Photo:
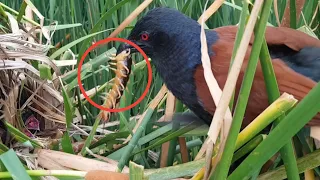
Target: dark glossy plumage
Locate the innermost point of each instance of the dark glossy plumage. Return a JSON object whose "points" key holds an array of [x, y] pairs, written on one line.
{"points": [[174, 46]]}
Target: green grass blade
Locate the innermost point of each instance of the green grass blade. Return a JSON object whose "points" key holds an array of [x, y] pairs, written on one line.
{"points": [[68, 108], [309, 161], [109, 137], [124, 159], [96, 27], [74, 83], [14, 165], [73, 43], [248, 147], [242, 25], [62, 26], [22, 11], [69, 112], [172, 172], [62, 174], [268, 74], [45, 71], [293, 14], [172, 144], [277, 138], [21, 137], [185, 7], [3, 148], [287, 152], [89, 139], [93, 64], [66, 143], [171, 136], [155, 134], [143, 140]]}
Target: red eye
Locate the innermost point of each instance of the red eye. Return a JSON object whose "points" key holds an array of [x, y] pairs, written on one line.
{"points": [[144, 37]]}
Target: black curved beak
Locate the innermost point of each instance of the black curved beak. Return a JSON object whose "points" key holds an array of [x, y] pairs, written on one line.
{"points": [[124, 46]]}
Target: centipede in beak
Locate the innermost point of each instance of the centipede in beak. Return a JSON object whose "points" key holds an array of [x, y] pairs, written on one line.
{"points": [[122, 63]]}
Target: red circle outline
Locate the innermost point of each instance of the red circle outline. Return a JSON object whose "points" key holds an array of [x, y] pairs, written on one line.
{"points": [[104, 41]]}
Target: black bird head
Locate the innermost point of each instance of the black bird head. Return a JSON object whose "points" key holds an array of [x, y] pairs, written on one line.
{"points": [[159, 29], [172, 41]]}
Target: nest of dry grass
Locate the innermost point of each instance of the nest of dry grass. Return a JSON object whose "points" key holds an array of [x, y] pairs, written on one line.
{"points": [[29, 102]]}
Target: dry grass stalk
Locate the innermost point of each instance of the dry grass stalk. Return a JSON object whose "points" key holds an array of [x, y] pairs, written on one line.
{"points": [[211, 81], [19, 80], [130, 18], [170, 105], [210, 11], [213, 87], [54, 160], [183, 149]]}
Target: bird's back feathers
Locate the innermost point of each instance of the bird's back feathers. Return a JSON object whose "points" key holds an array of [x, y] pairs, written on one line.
{"points": [[301, 49]]}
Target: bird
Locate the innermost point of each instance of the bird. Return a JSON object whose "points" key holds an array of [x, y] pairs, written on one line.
{"points": [[172, 40]]}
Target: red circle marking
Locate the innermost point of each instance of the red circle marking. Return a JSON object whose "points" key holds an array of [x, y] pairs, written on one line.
{"points": [[104, 41]]}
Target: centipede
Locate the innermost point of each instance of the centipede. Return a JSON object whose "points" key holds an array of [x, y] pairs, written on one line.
{"points": [[122, 63]]}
